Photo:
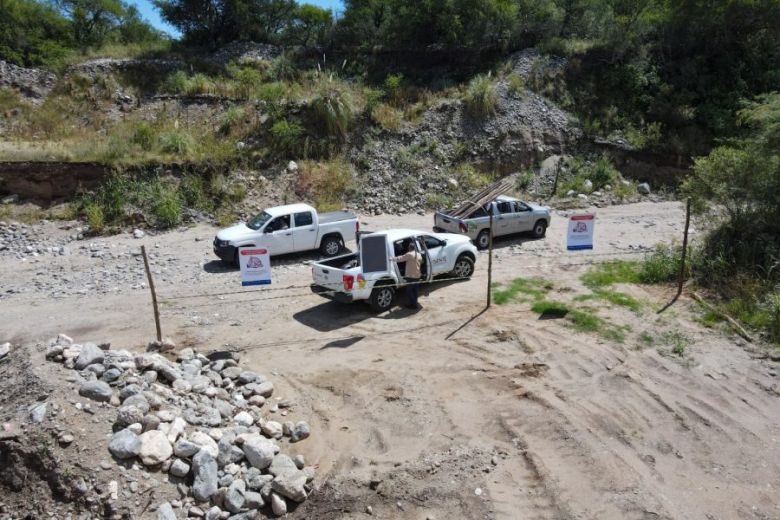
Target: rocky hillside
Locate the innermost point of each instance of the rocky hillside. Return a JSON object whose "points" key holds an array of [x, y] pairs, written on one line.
{"points": [[400, 148]]}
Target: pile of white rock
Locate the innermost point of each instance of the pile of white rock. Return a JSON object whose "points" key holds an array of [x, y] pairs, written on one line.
{"points": [[199, 419]]}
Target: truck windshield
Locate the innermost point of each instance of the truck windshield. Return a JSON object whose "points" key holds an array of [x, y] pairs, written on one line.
{"points": [[258, 221]]}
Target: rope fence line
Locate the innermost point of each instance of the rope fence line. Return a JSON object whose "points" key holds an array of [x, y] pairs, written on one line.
{"points": [[356, 337], [337, 288]]}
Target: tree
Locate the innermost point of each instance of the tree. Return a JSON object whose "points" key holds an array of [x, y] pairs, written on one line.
{"points": [[31, 33], [741, 182], [310, 25], [201, 21], [92, 20]]}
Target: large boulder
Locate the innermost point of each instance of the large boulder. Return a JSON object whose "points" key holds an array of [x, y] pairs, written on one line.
{"points": [[205, 442]]}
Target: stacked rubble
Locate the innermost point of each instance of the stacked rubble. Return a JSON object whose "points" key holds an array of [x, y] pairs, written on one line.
{"points": [[199, 419]]}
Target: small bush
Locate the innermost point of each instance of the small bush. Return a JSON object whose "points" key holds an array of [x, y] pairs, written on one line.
{"points": [[372, 98], [193, 192], [393, 86], [231, 118], [285, 137], [283, 69], [95, 217], [165, 205], [525, 180], [516, 85], [663, 265], [387, 117], [145, 137], [599, 172], [177, 83], [274, 92], [177, 142], [480, 98]]}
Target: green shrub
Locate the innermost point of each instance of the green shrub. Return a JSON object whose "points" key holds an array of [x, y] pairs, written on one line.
{"points": [[480, 98], [663, 265], [525, 180], [177, 83], [177, 142], [166, 206], [516, 85], [274, 92], [95, 217], [599, 172], [193, 192], [372, 98], [393, 86], [145, 136], [283, 69], [285, 137], [231, 118], [201, 84]]}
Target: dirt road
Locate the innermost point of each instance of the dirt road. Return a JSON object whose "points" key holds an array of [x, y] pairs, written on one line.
{"points": [[453, 411]]}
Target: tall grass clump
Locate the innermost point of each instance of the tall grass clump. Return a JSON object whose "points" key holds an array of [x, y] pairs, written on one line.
{"points": [[387, 117], [480, 98], [177, 142], [333, 109]]}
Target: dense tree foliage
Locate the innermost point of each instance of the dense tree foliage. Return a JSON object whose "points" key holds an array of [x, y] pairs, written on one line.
{"points": [[37, 33]]}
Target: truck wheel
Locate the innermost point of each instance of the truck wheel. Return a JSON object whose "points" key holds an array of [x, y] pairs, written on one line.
{"points": [[381, 298], [540, 229], [464, 267], [330, 246], [483, 239]]}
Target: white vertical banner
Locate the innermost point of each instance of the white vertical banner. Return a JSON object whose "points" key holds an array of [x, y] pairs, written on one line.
{"points": [[255, 266], [580, 234]]}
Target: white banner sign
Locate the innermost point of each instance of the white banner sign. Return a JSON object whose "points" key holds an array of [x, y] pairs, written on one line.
{"points": [[255, 266], [580, 235]]}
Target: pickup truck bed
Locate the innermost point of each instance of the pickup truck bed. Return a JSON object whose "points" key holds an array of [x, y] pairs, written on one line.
{"points": [[335, 216]]}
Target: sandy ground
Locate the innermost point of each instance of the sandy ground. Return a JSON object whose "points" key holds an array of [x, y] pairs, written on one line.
{"points": [[456, 411]]}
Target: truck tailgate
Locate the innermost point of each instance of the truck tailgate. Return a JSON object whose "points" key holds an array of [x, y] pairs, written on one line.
{"points": [[446, 222], [329, 277]]}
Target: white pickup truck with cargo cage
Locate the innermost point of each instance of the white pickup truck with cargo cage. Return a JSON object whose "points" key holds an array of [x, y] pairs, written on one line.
{"points": [[510, 216], [370, 274], [289, 229]]}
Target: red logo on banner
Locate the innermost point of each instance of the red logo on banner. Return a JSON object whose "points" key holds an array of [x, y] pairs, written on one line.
{"points": [[245, 252]]}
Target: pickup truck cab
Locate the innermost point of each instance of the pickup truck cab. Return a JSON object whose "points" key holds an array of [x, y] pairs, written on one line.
{"points": [[510, 216], [370, 274], [288, 229]]}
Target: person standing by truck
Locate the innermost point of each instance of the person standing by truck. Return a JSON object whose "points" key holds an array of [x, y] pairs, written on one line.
{"points": [[412, 274]]}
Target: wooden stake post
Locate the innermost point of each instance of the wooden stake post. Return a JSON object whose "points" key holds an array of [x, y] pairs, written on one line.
{"points": [[490, 259], [154, 294], [681, 274]]}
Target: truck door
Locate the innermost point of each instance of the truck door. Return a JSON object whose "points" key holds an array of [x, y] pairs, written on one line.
{"points": [[427, 266], [523, 217], [505, 218], [304, 231], [277, 236], [437, 255]]}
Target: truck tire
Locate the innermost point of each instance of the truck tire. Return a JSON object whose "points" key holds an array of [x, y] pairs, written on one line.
{"points": [[483, 239], [330, 246], [464, 267], [539, 229], [381, 298]]}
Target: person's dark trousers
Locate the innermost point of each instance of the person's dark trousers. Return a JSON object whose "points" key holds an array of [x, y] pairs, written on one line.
{"points": [[412, 291]]}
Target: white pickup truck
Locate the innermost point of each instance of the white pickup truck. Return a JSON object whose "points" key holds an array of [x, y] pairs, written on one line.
{"points": [[289, 229], [510, 216], [370, 275]]}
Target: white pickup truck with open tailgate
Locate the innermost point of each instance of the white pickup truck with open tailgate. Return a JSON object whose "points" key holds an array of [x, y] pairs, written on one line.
{"points": [[370, 275]]}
